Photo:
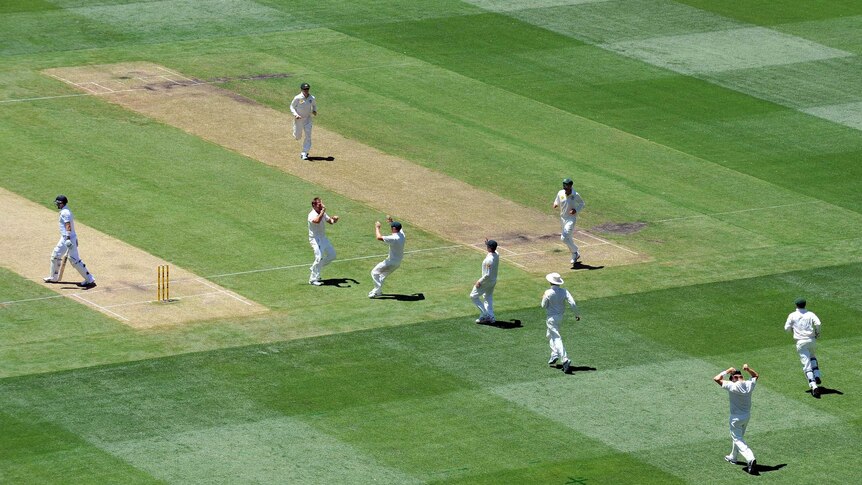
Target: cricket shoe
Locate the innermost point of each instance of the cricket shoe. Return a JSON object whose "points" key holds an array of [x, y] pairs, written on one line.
{"points": [[575, 258], [303, 156], [751, 469], [817, 381], [373, 294], [315, 282], [816, 393], [730, 459], [86, 284], [567, 366], [553, 360], [49, 279]]}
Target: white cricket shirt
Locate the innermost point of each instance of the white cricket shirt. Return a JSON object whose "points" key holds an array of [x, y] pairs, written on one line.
{"points": [[740, 396], [489, 268], [66, 216], [805, 324], [569, 202], [303, 106], [317, 230], [396, 246], [555, 299]]}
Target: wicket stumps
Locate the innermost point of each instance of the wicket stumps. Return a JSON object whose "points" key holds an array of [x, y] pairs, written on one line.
{"points": [[163, 277]]}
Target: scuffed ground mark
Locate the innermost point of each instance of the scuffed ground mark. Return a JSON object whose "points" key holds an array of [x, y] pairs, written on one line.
{"points": [[619, 227], [256, 77]]}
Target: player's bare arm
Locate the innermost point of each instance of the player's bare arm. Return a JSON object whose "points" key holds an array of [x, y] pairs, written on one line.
{"points": [[719, 378], [750, 371]]}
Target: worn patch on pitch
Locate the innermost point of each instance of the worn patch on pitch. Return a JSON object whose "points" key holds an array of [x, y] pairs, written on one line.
{"points": [[619, 227], [126, 276], [359, 172]]}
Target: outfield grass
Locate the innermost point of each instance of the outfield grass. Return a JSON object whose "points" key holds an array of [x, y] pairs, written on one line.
{"points": [[732, 129]]}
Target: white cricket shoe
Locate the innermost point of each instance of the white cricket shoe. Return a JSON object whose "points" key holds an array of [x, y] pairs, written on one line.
{"points": [[49, 279]]}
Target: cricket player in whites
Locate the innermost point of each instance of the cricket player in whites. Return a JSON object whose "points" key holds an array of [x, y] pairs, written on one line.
{"points": [[554, 301], [739, 393], [806, 331], [324, 253], [68, 246], [396, 254], [570, 204], [484, 287], [303, 107]]}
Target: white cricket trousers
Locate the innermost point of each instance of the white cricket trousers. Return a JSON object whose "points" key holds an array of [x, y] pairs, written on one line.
{"points": [[300, 125], [57, 257], [568, 235], [381, 271], [483, 298], [554, 339], [737, 431], [809, 361], [324, 254]]}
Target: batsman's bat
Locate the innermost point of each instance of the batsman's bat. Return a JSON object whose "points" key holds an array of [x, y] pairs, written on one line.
{"points": [[62, 268]]}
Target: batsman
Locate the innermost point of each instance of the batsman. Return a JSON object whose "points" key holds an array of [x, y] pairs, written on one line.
{"points": [[68, 246]]}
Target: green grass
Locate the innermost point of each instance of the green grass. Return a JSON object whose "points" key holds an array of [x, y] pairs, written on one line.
{"points": [[750, 203]]}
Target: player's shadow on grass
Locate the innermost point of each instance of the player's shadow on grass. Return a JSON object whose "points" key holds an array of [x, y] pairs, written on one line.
{"points": [[399, 297], [579, 265], [503, 324], [340, 282], [321, 159], [761, 468], [826, 390], [576, 368]]}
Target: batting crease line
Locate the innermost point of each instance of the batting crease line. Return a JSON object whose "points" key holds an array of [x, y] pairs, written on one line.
{"points": [[144, 302], [206, 283], [100, 307]]}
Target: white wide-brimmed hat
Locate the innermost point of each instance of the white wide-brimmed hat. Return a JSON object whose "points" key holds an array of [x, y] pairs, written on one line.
{"points": [[554, 278]]}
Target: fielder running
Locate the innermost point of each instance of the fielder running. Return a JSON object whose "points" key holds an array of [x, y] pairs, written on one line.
{"points": [[570, 204], [739, 393], [554, 302], [806, 331], [68, 245], [324, 253], [396, 254], [483, 291], [303, 107]]}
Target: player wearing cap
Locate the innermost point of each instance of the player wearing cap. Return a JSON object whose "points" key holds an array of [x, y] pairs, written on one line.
{"points": [[391, 263], [554, 302], [484, 287], [806, 331], [570, 204], [303, 107], [68, 246]]}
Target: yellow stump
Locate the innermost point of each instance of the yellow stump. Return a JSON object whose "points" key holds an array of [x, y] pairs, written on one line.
{"points": [[163, 283]]}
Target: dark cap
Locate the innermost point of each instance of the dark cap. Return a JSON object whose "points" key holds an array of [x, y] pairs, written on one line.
{"points": [[62, 199], [304, 86], [395, 225], [567, 181], [800, 302], [492, 244]]}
